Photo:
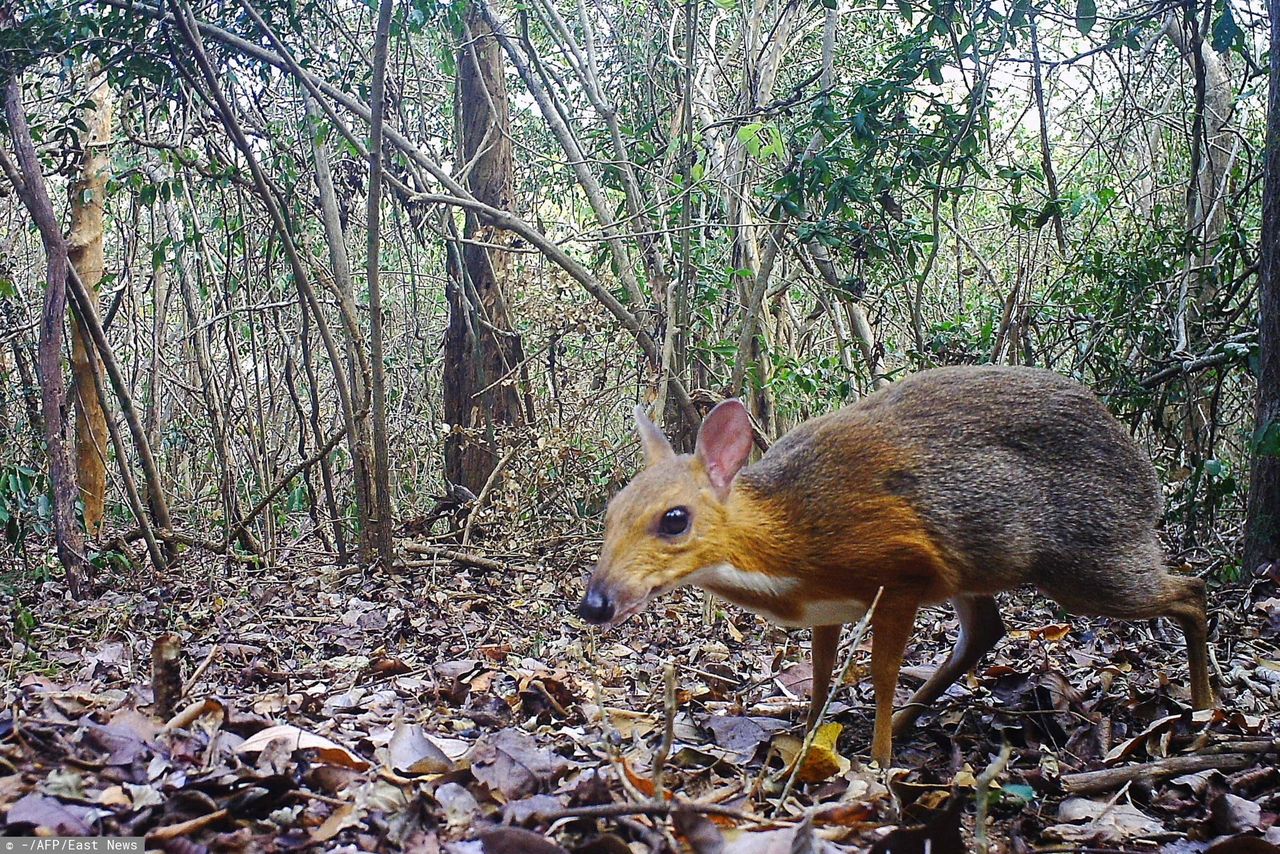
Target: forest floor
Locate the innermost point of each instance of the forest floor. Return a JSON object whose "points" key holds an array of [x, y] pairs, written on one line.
{"points": [[464, 710]]}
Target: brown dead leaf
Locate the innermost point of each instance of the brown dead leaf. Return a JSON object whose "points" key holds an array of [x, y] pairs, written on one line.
{"points": [[512, 763], [388, 666], [517, 840], [114, 797], [845, 814], [299, 739], [1231, 814], [496, 652], [528, 810], [459, 805], [698, 831], [412, 753], [1149, 739], [1082, 820], [796, 680], [644, 785], [1243, 844], [743, 735], [631, 724], [339, 820], [1053, 632], [48, 815]]}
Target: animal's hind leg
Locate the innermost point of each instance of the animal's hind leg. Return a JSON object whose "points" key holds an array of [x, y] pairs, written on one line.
{"points": [[1188, 609], [1157, 594], [980, 629]]}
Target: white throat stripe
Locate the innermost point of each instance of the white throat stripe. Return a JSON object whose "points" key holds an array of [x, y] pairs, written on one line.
{"points": [[726, 575]]}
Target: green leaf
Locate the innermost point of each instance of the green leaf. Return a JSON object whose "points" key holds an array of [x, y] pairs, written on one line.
{"points": [[1019, 792], [904, 9], [1266, 440], [762, 140], [1046, 213], [1225, 30], [1086, 15], [298, 499]]}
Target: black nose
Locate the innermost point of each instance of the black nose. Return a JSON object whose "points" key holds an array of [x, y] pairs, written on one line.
{"points": [[595, 607]]}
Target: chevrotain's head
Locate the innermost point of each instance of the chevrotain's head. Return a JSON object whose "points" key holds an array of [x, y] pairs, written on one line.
{"points": [[661, 528]]}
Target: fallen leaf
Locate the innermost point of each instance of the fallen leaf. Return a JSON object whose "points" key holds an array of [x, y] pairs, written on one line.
{"points": [[513, 763], [459, 805], [630, 724], [1243, 844], [47, 814], [1231, 814], [1053, 632], [743, 735], [1082, 820], [339, 820], [822, 762], [698, 831], [299, 739], [517, 840], [412, 753]]}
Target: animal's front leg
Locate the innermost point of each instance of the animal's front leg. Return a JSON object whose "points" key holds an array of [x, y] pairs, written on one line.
{"points": [[826, 639], [891, 627]]}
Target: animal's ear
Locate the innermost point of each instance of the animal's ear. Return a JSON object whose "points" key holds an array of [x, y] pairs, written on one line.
{"points": [[656, 446], [724, 442]]}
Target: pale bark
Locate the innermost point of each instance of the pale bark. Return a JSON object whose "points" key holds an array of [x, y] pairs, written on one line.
{"points": [[359, 436], [1212, 148], [80, 299], [85, 248]]}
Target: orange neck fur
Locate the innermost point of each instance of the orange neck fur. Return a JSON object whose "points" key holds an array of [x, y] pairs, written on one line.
{"points": [[879, 541]]}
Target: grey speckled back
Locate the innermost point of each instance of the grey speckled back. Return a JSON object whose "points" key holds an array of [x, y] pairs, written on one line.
{"points": [[1020, 474]]}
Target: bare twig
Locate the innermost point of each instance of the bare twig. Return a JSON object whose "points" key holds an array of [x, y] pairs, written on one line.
{"points": [[984, 781], [1093, 782], [199, 671], [484, 493], [1218, 355], [652, 808], [668, 732], [465, 558]]}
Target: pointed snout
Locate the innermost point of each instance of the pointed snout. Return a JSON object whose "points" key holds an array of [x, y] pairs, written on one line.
{"points": [[596, 606]]}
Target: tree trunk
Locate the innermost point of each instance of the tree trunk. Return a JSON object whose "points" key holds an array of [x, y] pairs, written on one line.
{"points": [[1212, 144], [359, 439], [84, 246], [482, 352], [53, 391], [381, 453], [1262, 528]]}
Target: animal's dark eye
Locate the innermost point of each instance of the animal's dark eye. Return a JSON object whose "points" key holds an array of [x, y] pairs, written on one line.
{"points": [[674, 521]]}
